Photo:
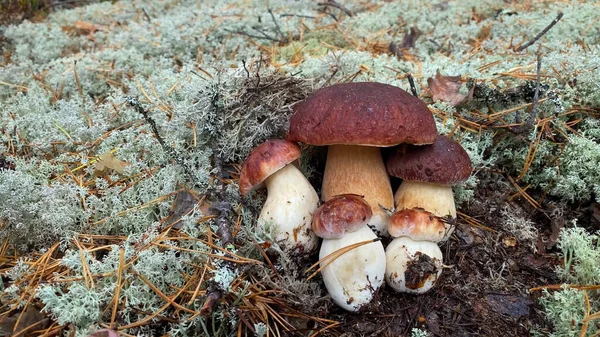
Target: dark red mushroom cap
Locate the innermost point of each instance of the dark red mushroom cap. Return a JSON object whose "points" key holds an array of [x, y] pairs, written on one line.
{"points": [[266, 159], [363, 113], [444, 162], [340, 214]]}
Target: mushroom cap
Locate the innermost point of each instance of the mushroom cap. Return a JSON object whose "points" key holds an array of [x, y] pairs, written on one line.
{"points": [[340, 214], [417, 224], [444, 162], [266, 159], [362, 113]]}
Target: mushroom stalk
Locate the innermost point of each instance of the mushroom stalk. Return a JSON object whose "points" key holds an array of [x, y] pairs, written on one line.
{"points": [[353, 169], [353, 278], [433, 198], [290, 205]]}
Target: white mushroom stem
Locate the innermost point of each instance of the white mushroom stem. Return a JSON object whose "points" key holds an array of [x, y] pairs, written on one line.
{"points": [[290, 205], [433, 198], [412, 266], [354, 277], [352, 169]]}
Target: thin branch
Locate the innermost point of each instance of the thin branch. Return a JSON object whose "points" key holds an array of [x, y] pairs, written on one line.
{"points": [[135, 103], [297, 15], [146, 15], [277, 28], [266, 37], [411, 81], [537, 37], [333, 3]]}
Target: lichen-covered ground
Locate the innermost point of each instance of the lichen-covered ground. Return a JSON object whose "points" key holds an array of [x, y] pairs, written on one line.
{"points": [[123, 124]]}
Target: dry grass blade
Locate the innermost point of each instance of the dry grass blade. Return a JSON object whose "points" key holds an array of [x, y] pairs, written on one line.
{"points": [[170, 301], [118, 286], [334, 255], [524, 194], [586, 320], [474, 222]]}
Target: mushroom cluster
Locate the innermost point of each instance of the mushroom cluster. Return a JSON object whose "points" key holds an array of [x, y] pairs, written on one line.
{"points": [[355, 120]]}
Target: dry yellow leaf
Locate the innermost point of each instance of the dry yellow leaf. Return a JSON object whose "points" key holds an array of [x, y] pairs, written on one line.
{"points": [[108, 160]]}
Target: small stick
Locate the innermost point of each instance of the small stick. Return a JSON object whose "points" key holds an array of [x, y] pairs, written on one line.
{"points": [[411, 81], [266, 37], [246, 69], [277, 28], [296, 15], [134, 102], [544, 31], [332, 3], [146, 15]]}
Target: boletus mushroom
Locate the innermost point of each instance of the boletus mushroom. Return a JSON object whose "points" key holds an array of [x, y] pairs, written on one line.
{"points": [[353, 278], [291, 199], [413, 258], [355, 120], [428, 173]]}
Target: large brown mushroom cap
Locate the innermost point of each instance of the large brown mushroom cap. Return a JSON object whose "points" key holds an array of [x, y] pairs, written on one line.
{"points": [[363, 113], [340, 214], [444, 162], [266, 159]]}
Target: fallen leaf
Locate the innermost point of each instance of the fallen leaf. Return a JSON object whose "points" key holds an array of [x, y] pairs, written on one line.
{"points": [[509, 241], [510, 305], [104, 333], [108, 160], [407, 42], [447, 89], [31, 320], [87, 27], [183, 204], [410, 38]]}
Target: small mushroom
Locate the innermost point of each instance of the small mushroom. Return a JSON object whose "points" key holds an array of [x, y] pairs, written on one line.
{"points": [[428, 173], [291, 199], [353, 278], [413, 258], [355, 120]]}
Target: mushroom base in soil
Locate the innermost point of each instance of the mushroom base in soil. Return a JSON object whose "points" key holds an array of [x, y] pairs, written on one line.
{"points": [[359, 170], [412, 266], [290, 204]]}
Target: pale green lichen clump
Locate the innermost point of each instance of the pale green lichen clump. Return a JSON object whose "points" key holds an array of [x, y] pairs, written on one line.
{"points": [[64, 94]]}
